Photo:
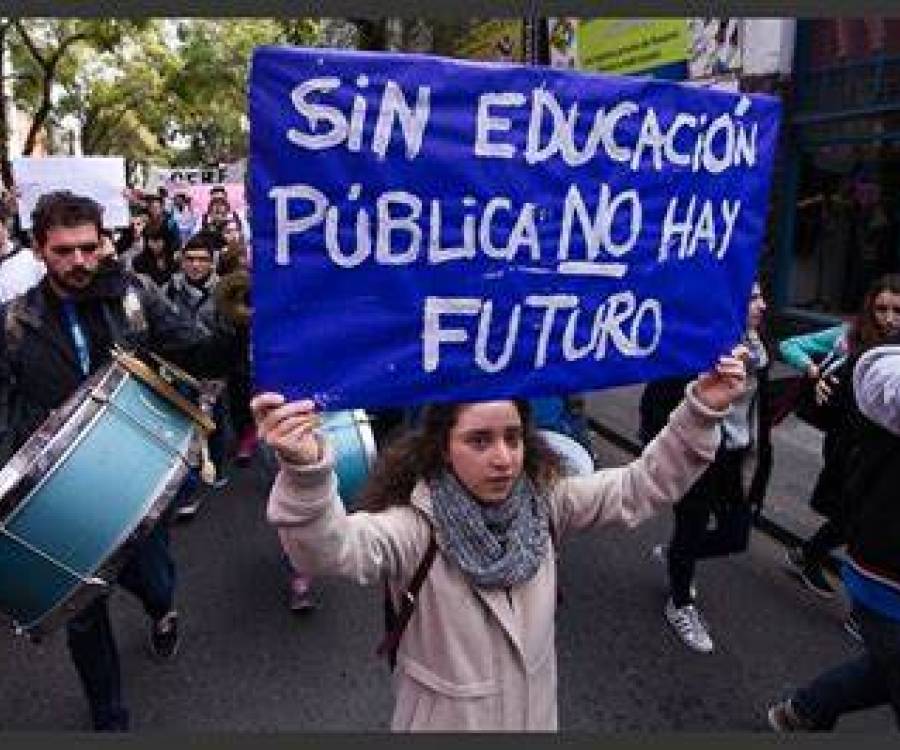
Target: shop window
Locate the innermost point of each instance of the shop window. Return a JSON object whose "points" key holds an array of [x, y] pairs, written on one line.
{"points": [[847, 224]]}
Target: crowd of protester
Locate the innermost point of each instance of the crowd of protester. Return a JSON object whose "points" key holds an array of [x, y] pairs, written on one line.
{"points": [[708, 456]]}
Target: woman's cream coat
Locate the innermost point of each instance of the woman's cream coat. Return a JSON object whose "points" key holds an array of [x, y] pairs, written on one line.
{"points": [[473, 658]]}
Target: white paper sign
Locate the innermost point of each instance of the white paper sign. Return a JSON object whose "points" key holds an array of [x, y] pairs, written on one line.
{"points": [[99, 177]]}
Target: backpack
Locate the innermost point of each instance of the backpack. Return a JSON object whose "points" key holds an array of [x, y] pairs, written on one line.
{"points": [[395, 622]]}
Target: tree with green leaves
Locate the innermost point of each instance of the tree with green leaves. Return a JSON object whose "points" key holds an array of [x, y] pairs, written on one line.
{"points": [[211, 85], [121, 99], [45, 56]]}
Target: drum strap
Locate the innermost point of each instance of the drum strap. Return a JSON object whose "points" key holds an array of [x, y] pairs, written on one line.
{"points": [[395, 622]]}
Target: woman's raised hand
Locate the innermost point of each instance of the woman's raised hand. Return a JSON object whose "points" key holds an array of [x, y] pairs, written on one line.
{"points": [[288, 427], [719, 387]]}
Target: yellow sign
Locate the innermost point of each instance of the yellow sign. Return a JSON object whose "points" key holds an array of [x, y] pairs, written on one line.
{"points": [[631, 45]]}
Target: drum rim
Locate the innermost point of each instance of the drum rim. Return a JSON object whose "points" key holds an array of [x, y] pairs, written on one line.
{"points": [[146, 375], [27, 466], [366, 436]]}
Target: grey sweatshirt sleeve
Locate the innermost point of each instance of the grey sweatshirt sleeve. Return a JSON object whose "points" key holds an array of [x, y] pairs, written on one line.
{"points": [[876, 385]]}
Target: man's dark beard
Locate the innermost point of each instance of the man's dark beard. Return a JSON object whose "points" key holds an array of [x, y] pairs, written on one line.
{"points": [[74, 290], [200, 283], [106, 281]]}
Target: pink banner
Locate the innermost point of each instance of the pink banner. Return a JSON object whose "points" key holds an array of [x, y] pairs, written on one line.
{"points": [[200, 195]]}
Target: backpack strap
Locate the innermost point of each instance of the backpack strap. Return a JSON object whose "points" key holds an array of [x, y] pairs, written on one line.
{"points": [[396, 622]]}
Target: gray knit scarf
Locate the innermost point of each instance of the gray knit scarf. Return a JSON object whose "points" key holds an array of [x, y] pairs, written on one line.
{"points": [[497, 545]]}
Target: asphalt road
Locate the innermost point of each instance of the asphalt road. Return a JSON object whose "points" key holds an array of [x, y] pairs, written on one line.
{"points": [[248, 664]]}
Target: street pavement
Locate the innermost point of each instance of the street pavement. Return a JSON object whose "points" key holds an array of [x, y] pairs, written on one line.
{"points": [[248, 664]]}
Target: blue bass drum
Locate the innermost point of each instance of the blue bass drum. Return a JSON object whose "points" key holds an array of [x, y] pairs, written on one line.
{"points": [[351, 437], [98, 473]]}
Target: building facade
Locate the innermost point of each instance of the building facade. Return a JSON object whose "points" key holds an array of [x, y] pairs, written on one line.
{"points": [[840, 209]]}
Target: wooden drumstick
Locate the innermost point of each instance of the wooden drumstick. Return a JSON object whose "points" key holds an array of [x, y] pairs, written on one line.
{"points": [[207, 467]]}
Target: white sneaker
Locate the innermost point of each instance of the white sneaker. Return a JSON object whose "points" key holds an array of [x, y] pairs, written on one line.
{"points": [[660, 553], [690, 628]]}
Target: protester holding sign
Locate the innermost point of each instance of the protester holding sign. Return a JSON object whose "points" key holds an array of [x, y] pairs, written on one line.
{"points": [[463, 233], [479, 650]]}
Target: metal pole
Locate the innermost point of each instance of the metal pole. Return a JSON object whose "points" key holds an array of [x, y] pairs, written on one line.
{"points": [[531, 33]]}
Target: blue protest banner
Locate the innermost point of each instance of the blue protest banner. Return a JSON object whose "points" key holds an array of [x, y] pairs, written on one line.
{"points": [[429, 229]]}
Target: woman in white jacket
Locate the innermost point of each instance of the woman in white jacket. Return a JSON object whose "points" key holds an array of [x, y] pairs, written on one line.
{"points": [[479, 650]]}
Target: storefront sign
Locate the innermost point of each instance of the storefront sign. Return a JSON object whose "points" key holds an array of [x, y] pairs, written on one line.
{"points": [[629, 46], [186, 176]]}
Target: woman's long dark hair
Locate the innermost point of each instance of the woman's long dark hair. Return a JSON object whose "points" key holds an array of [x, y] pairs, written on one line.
{"points": [[864, 332], [420, 454]]}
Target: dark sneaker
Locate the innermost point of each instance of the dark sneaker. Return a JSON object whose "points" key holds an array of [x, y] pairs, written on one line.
{"points": [[221, 481], [164, 637], [300, 596], [303, 601], [815, 581], [188, 509], [851, 625], [795, 560], [783, 717]]}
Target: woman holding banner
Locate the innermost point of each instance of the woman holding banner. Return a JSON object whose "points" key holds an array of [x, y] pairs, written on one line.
{"points": [[470, 508]]}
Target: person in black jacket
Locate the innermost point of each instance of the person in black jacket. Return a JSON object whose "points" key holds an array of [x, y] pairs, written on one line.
{"points": [[839, 418], [871, 572], [51, 340], [721, 492], [157, 260]]}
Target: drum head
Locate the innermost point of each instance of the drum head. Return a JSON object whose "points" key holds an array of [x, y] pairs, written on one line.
{"points": [[351, 436], [576, 461]]}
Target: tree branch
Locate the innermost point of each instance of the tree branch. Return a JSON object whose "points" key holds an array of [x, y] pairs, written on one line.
{"points": [[29, 44], [46, 105]]}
